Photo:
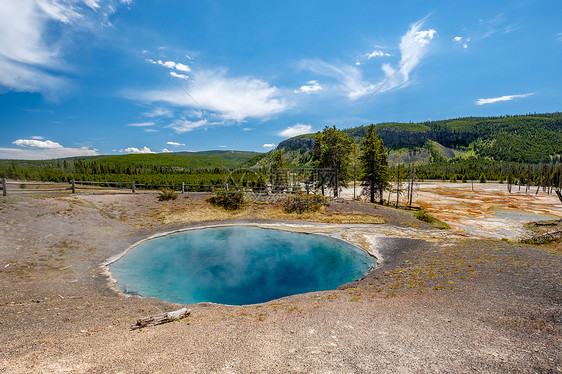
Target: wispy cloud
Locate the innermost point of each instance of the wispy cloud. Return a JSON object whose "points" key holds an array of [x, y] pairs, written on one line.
{"points": [[310, 86], [559, 37], [496, 25], [269, 145], [295, 130], [175, 144], [413, 47], [350, 78], [183, 125], [31, 58], [502, 98], [231, 98], [158, 112], [142, 124], [135, 150]]}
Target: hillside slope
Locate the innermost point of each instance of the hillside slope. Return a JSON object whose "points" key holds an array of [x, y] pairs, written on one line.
{"points": [[526, 139]]}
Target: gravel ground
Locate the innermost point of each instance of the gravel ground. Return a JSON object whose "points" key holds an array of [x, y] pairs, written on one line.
{"points": [[446, 303]]}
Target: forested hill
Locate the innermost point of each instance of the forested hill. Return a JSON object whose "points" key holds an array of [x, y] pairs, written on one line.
{"points": [[526, 139]]}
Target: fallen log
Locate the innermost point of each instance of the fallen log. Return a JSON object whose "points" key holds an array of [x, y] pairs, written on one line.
{"points": [[161, 318], [544, 238]]}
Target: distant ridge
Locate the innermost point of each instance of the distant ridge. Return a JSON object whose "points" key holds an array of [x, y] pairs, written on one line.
{"points": [[528, 138]]}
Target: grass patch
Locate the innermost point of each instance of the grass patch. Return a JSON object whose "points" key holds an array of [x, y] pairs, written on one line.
{"points": [[424, 216]]}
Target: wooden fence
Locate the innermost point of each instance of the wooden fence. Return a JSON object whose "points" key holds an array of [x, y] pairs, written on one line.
{"points": [[74, 186]]}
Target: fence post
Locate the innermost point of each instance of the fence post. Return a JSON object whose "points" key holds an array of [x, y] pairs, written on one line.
{"points": [[4, 192], [133, 186], [72, 182], [182, 187]]}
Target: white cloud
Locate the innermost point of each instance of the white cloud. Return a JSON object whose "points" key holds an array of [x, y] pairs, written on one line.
{"points": [[142, 124], [232, 98], [269, 145], [349, 77], [413, 47], [172, 65], [158, 112], [137, 150], [182, 126], [223, 146], [559, 36], [31, 55], [37, 137], [65, 13], [34, 149], [34, 143], [460, 40], [150, 130], [175, 144], [501, 98], [94, 4], [310, 86], [377, 53], [182, 67], [44, 153], [164, 150], [295, 130], [176, 75]]}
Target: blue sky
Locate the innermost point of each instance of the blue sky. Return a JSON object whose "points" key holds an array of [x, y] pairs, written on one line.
{"points": [[88, 77]]}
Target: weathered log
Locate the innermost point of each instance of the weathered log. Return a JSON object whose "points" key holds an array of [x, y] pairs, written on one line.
{"points": [[161, 318], [544, 238]]}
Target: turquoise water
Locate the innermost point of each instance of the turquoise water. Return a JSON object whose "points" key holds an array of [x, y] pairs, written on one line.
{"points": [[237, 265]]}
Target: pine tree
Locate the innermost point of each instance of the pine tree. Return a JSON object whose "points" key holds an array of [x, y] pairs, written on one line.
{"points": [[331, 150], [278, 172], [374, 165]]}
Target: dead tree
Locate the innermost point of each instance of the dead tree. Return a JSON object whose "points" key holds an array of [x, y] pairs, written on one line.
{"points": [[411, 183], [161, 318]]}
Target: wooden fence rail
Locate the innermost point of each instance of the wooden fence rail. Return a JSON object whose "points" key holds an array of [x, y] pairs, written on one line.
{"points": [[73, 186]]}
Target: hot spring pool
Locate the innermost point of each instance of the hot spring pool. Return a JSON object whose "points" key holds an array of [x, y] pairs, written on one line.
{"points": [[237, 265]]}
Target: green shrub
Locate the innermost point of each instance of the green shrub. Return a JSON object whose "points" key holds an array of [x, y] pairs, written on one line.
{"points": [[422, 215], [229, 200], [300, 203], [166, 194]]}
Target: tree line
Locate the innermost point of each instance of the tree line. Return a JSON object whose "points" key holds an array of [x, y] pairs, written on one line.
{"points": [[335, 149]]}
